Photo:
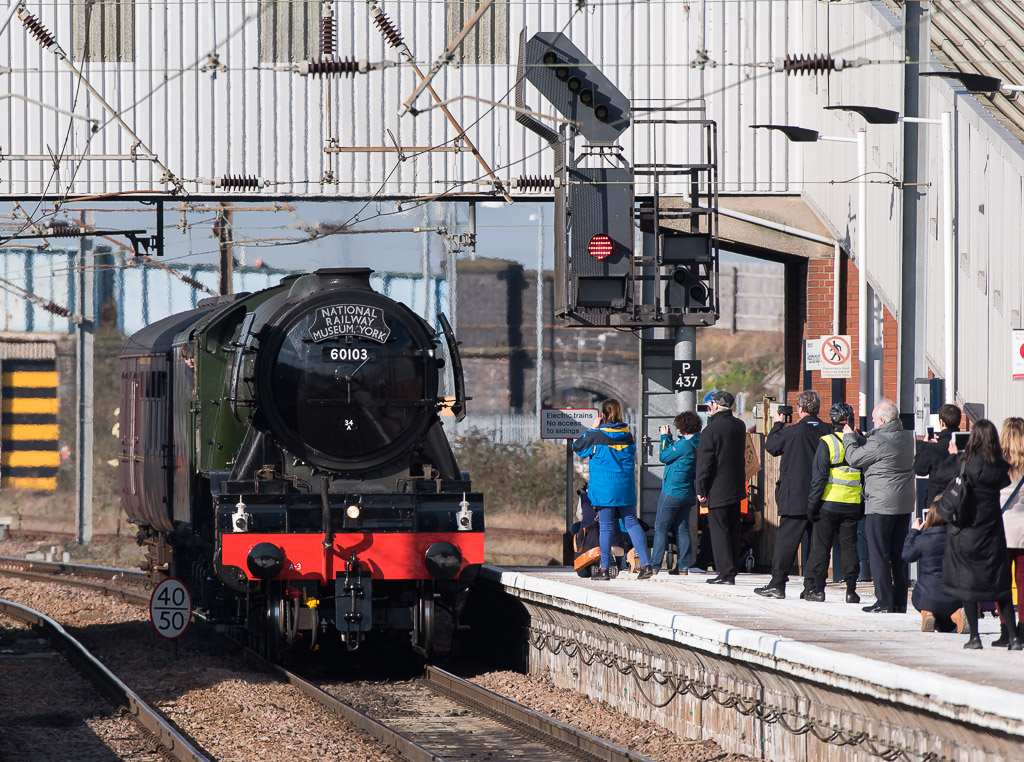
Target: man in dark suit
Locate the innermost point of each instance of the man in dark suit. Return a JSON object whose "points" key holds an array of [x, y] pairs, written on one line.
{"points": [[932, 452], [721, 482], [796, 444]]}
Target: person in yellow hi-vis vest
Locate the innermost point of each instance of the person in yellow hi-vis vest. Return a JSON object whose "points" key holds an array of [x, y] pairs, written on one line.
{"points": [[835, 504]]}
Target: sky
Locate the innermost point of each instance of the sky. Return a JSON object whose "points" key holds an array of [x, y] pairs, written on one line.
{"points": [[293, 238]]}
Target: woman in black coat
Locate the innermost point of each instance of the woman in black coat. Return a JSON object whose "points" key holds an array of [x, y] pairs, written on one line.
{"points": [[975, 566], [926, 543]]}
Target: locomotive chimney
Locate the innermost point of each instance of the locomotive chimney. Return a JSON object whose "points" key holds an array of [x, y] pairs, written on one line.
{"points": [[344, 277]]}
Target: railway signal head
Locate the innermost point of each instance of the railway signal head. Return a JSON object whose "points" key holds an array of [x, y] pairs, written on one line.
{"points": [[601, 243], [691, 277], [576, 88]]}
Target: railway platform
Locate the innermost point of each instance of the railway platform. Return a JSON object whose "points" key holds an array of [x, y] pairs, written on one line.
{"points": [[773, 679]]}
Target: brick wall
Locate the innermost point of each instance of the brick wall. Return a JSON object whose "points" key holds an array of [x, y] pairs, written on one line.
{"points": [[497, 328], [809, 306]]}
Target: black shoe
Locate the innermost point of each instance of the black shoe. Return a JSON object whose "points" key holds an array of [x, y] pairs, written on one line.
{"points": [[814, 596], [770, 591], [601, 574], [852, 597], [1004, 638], [876, 609], [673, 572], [613, 571], [974, 644], [646, 572], [720, 580]]}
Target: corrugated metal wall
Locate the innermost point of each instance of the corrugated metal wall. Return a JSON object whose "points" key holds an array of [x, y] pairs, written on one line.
{"points": [[236, 114], [251, 119]]}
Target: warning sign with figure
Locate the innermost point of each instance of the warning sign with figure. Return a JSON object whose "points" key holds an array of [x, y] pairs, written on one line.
{"points": [[835, 356]]}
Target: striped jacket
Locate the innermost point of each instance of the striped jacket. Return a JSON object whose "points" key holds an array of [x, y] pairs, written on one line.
{"points": [[612, 454]]}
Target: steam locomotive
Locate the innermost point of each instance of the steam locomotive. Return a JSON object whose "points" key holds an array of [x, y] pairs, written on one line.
{"points": [[282, 453]]}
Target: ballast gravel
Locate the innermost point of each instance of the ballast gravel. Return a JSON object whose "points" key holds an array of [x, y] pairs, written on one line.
{"points": [[234, 711]]}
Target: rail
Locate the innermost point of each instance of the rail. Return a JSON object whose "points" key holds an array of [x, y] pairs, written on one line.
{"points": [[47, 571], [169, 738], [484, 700]]}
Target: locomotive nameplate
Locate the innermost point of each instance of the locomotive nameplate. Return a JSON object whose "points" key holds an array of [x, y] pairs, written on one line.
{"points": [[349, 320]]}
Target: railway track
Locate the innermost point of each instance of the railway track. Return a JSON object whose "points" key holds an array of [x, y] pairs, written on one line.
{"points": [[80, 575], [437, 718], [445, 718], [168, 741]]}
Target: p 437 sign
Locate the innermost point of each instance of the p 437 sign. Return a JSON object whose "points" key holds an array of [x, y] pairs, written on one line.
{"points": [[686, 376]]}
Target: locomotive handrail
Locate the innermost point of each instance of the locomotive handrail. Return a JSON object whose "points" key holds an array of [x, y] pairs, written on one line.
{"points": [[458, 377]]}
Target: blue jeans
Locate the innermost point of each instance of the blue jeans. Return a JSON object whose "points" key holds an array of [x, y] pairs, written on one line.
{"points": [[606, 519], [672, 512]]}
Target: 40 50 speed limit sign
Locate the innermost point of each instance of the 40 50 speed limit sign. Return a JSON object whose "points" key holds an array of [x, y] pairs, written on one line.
{"points": [[170, 608]]}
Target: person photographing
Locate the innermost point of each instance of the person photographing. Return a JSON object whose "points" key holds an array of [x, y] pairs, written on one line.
{"points": [[885, 457], [612, 490], [677, 496], [795, 445]]}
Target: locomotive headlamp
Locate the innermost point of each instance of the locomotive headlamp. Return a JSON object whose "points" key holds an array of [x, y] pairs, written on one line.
{"points": [[464, 516], [241, 521], [352, 512]]}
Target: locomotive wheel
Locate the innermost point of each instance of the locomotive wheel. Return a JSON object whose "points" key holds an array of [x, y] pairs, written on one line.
{"points": [[277, 625], [423, 635]]}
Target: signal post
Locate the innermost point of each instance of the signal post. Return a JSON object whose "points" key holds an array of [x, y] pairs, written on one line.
{"points": [[668, 288]]}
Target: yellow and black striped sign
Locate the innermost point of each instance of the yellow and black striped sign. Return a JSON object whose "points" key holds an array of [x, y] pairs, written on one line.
{"points": [[29, 456]]}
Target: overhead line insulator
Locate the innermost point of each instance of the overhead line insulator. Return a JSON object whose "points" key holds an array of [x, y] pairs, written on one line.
{"points": [[387, 29], [534, 183], [328, 36], [815, 64], [59, 228], [235, 182], [336, 67], [37, 30], [56, 309]]}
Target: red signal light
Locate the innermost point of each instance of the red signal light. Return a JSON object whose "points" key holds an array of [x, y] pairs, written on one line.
{"points": [[600, 246]]}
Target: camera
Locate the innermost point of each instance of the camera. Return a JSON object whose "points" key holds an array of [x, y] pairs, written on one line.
{"points": [[702, 408], [786, 411]]}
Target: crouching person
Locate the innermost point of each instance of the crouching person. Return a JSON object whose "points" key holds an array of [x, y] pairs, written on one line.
{"points": [[926, 543], [834, 505], [586, 546]]}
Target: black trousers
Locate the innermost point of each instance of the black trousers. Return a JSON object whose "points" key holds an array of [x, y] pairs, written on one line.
{"points": [[787, 540], [886, 535], [825, 530], [724, 521]]}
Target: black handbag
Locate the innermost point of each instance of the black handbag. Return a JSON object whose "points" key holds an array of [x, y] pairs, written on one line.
{"points": [[955, 505]]}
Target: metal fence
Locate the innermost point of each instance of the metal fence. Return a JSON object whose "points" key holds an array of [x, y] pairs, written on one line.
{"points": [[508, 428]]}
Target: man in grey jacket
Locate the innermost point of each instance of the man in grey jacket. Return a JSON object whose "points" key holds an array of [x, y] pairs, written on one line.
{"points": [[886, 458]]}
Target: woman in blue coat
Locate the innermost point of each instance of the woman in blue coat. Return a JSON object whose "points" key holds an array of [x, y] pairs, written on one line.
{"points": [[926, 543], [612, 488], [677, 494]]}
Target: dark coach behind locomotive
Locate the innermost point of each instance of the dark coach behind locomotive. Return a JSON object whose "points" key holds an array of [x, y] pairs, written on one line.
{"points": [[283, 450]]}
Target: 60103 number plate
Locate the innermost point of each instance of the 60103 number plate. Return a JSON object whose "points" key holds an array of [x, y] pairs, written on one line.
{"points": [[348, 354]]}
